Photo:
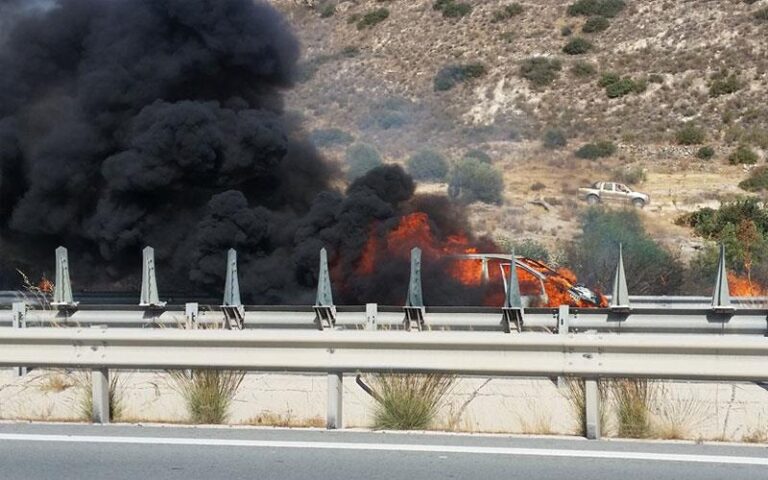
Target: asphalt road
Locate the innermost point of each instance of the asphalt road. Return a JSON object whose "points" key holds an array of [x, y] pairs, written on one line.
{"points": [[82, 452]]}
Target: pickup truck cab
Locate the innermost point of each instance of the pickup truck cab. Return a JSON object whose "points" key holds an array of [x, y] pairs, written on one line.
{"points": [[613, 192]]}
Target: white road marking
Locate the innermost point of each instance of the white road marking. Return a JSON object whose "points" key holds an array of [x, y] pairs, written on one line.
{"points": [[391, 447]]}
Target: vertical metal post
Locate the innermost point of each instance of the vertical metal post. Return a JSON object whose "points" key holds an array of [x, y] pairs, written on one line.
{"points": [[190, 312], [19, 321], [100, 383], [563, 328], [592, 407], [371, 310], [484, 271], [335, 395]]}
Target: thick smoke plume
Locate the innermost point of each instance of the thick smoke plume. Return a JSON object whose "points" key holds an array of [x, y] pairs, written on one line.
{"points": [[127, 123]]}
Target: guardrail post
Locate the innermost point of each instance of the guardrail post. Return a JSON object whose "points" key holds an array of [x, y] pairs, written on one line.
{"points": [[190, 312], [563, 328], [100, 392], [335, 395], [19, 321], [592, 408], [371, 311]]}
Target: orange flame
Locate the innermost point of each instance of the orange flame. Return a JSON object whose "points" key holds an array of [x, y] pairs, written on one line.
{"points": [[744, 287]]}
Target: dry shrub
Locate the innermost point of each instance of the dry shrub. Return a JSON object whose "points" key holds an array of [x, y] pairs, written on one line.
{"points": [[633, 398], [83, 381], [675, 415], [272, 419], [207, 393], [409, 401]]}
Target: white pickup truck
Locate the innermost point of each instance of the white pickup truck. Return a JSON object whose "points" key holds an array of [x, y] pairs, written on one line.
{"points": [[613, 192]]}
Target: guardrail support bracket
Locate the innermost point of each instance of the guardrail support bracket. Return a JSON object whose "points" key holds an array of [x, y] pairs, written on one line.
{"points": [[62, 289], [334, 418], [19, 321], [721, 296], [149, 296], [414, 304], [232, 307], [620, 294], [512, 311], [325, 310]]}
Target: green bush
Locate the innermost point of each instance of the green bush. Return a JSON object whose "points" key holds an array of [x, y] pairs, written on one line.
{"points": [[724, 84], [757, 181], [761, 15], [634, 398], [507, 12], [528, 248], [655, 78], [327, 10], [373, 18], [690, 134], [603, 8], [742, 155], [451, 75], [705, 153], [631, 176], [327, 137], [650, 268], [207, 394], [540, 71], [623, 87], [478, 154], [554, 138], [595, 24], [361, 157], [452, 9], [472, 180], [596, 150], [608, 78], [583, 69], [427, 165], [577, 46]]}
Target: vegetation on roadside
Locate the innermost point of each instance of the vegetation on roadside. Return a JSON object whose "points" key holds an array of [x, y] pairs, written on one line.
{"points": [[409, 401], [633, 399], [576, 395], [603, 8], [651, 269], [757, 181], [724, 83], [705, 153], [577, 46], [583, 69], [207, 393], [690, 134], [507, 11], [84, 384], [617, 86], [596, 24]]}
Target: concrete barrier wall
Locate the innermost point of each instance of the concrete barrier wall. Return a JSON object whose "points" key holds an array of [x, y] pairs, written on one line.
{"points": [[535, 406]]}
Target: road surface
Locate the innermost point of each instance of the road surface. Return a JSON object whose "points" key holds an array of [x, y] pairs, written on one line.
{"points": [[44, 451]]}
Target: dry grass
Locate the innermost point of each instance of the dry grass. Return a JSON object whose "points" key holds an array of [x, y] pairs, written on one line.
{"points": [[82, 380], [55, 382], [207, 393], [758, 435], [409, 402], [677, 416], [633, 399], [271, 419]]}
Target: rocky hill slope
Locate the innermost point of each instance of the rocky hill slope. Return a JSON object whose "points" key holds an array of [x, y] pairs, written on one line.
{"points": [[402, 76]]}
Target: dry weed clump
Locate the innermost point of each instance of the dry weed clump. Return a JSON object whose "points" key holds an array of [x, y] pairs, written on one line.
{"points": [[676, 416], [82, 380], [409, 401], [208, 393], [288, 420], [633, 399]]}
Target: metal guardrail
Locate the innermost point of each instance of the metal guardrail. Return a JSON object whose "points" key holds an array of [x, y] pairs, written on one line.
{"points": [[587, 355], [635, 320]]}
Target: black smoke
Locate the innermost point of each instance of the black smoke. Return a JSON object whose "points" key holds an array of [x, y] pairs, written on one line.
{"points": [[127, 123]]}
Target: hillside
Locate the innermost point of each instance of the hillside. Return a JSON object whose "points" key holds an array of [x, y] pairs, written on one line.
{"points": [[701, 63]]}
